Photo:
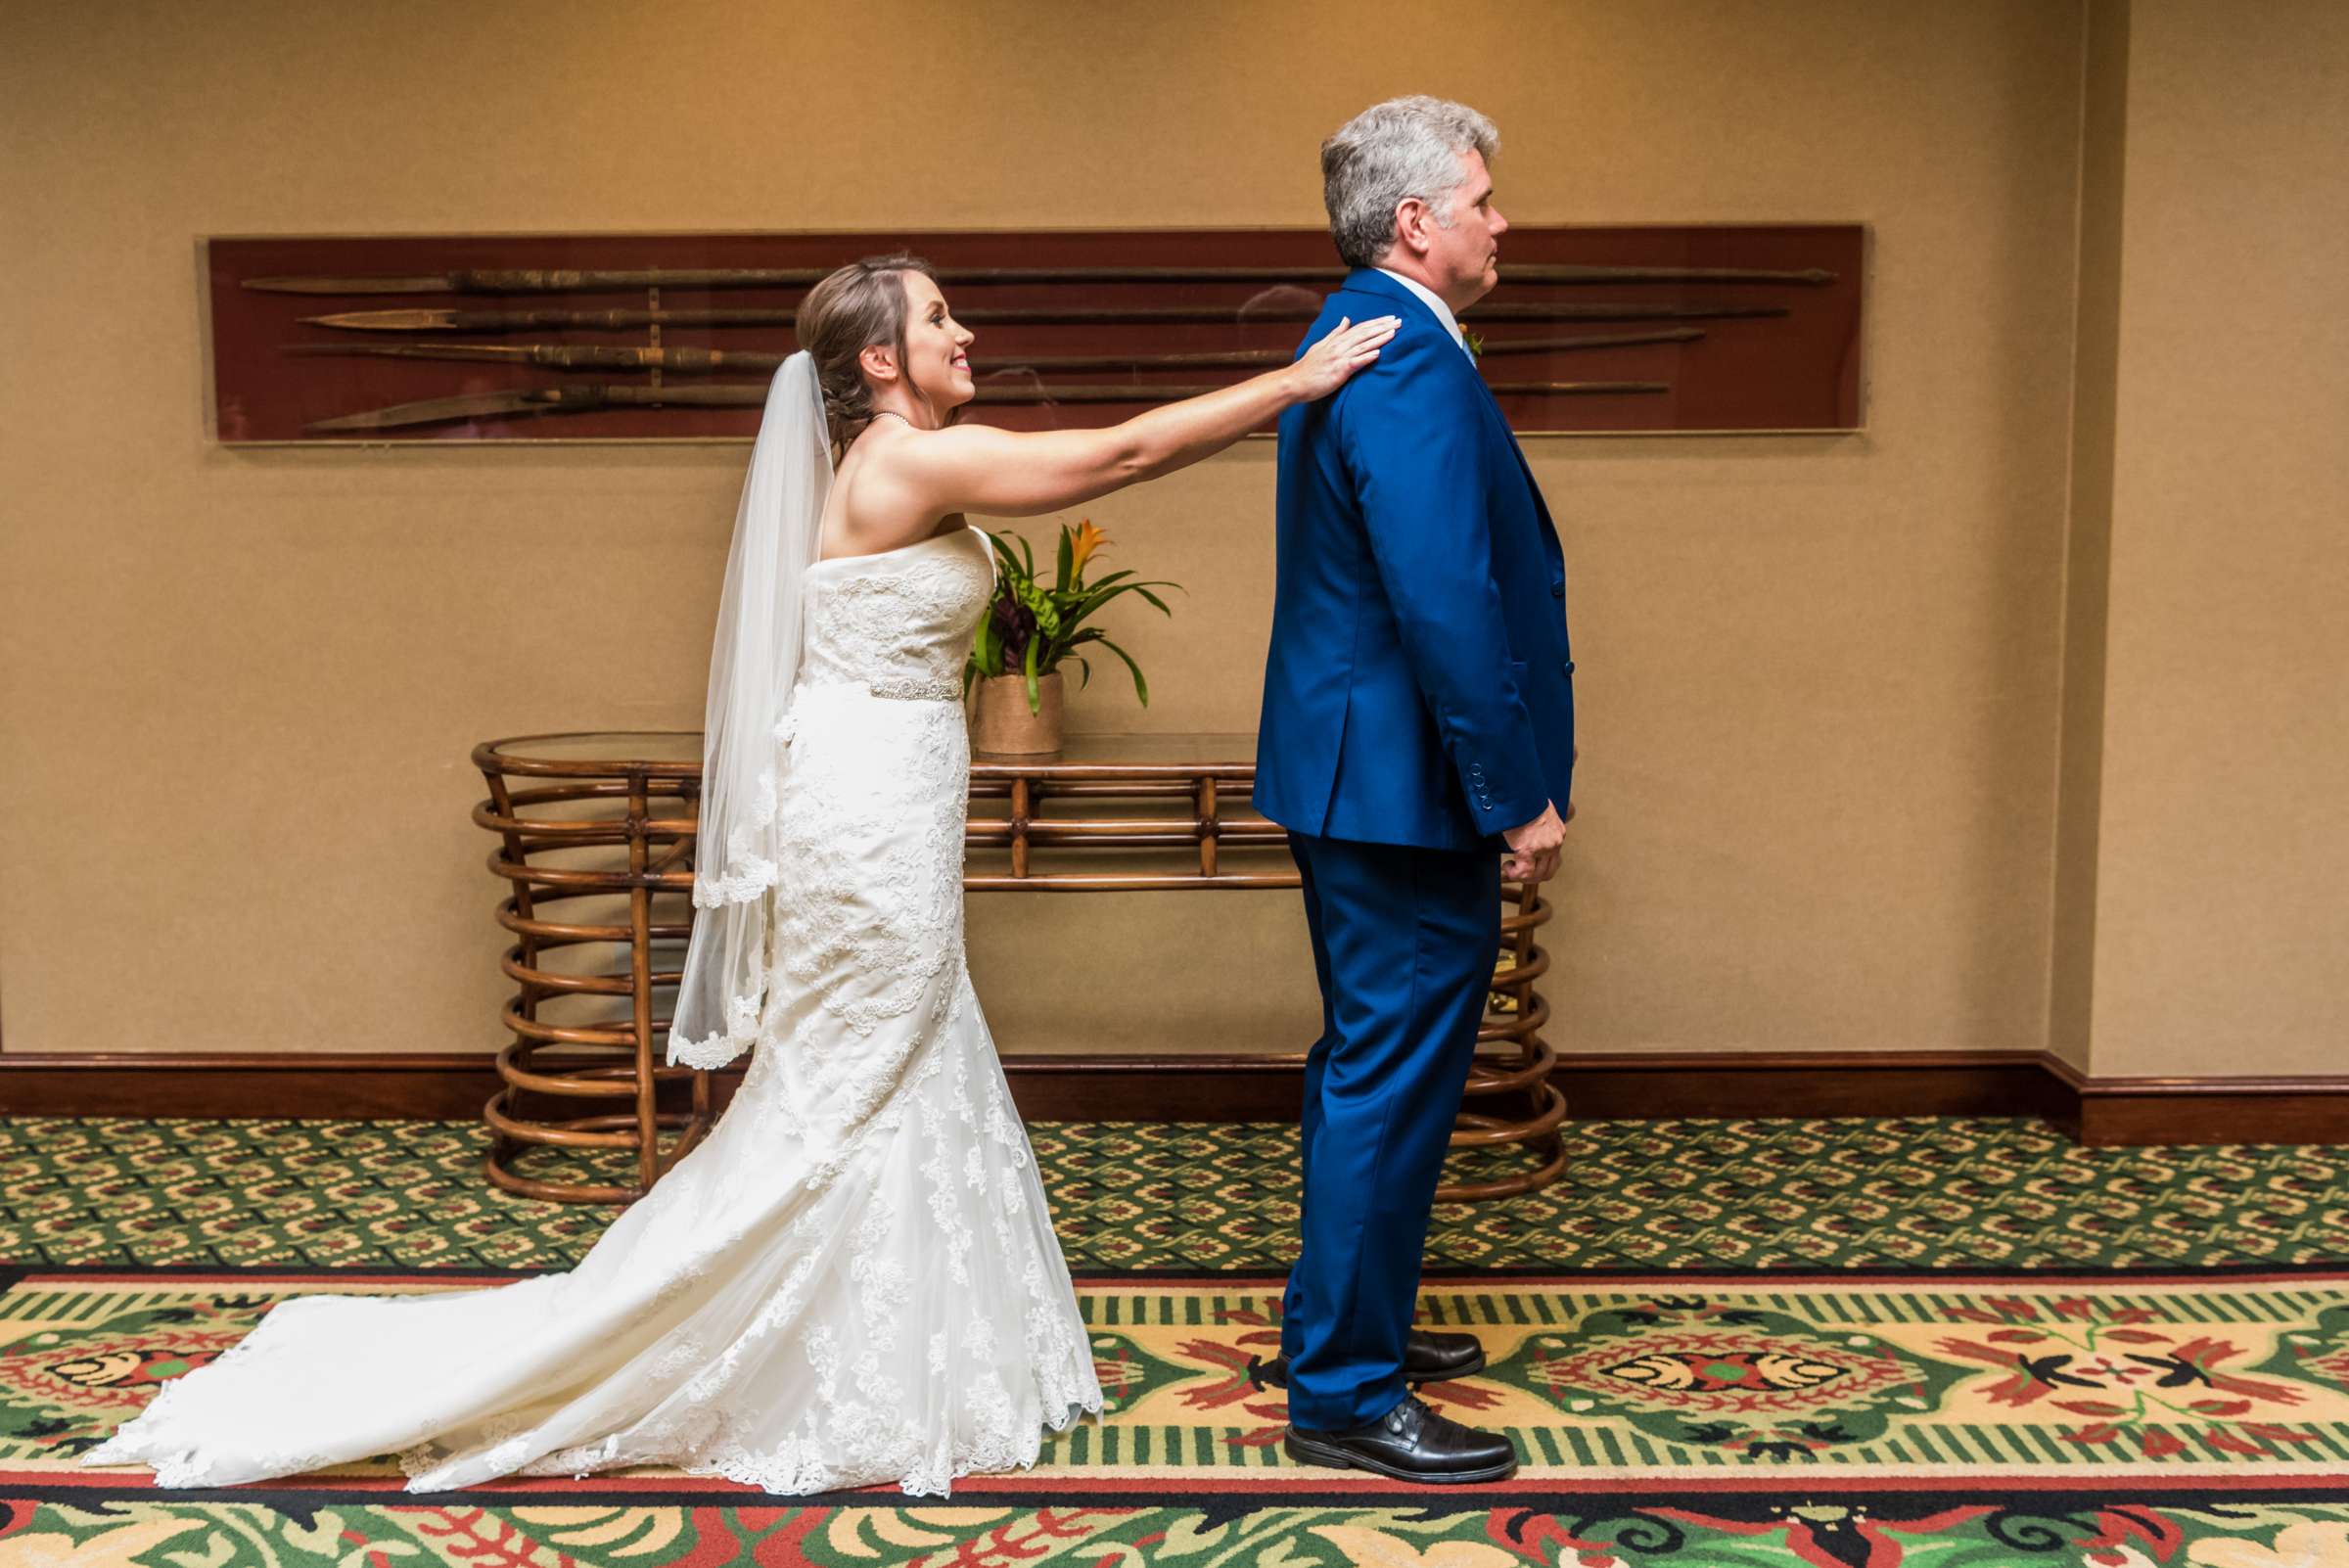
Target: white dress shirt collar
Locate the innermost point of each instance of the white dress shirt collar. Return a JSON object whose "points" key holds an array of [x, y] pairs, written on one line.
{"points": [[1434, 302]]}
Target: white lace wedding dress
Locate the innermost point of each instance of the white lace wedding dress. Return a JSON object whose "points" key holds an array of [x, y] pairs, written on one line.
{"points": [[852, 1280]]}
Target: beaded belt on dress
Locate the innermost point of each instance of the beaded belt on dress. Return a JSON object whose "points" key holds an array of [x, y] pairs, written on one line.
{"points": [[915, 689]]}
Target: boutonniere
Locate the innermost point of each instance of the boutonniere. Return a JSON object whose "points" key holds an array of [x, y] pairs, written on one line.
{"points": [[1476, 346]]}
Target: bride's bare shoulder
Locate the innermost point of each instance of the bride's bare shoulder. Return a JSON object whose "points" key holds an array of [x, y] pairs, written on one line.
{"points": [[926, 471], [919, 452], [877, 503]]}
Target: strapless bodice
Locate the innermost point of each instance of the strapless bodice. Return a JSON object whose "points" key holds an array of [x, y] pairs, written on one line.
{"points": [[898, 622]]}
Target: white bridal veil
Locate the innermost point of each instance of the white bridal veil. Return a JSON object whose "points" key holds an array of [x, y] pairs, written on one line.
{"points": [[754, 663]]}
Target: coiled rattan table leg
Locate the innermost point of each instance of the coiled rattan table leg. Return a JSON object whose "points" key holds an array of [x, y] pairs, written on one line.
{"points": [[1510, 1102]]}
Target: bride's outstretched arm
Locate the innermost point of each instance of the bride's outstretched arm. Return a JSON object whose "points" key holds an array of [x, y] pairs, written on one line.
{"points": [[1021, 474]]}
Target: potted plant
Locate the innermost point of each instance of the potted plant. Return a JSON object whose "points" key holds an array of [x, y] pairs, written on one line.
{"points": [[1031, 628]]}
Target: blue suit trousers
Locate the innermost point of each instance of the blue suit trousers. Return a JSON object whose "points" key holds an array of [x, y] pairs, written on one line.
{"points": [[1404, 944]]}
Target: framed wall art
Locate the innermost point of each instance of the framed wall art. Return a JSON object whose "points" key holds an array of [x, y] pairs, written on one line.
{"points": [[608, 336]]}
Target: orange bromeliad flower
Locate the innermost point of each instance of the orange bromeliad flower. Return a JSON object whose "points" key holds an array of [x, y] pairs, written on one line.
{"points": [[1081, 550]]}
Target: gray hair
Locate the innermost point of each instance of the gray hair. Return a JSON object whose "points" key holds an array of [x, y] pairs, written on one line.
{"points": [[1405, 147]]}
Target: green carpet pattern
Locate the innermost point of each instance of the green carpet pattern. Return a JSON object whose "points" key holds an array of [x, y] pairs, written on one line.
{"points": [[1730, 1198], [1659, 1379], [1871, 1193], [1728, 1533]]}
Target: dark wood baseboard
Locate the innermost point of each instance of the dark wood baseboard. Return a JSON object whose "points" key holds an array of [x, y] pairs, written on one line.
{"points": [[1155, 1088], [218, 1083], [2120, 1112], [430, 1084], [2112, 1111], [1810, 1083]]}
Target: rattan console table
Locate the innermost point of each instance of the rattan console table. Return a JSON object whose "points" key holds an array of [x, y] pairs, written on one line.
{"points": [[595, 839]]}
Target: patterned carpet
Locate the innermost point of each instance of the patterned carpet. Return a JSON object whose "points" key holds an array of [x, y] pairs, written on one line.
{"points": [[1939, 1343], [1638, 1379], [1919, 1193]]}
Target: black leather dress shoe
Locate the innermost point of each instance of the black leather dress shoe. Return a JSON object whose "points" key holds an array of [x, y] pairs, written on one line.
{"points": [[1409, 1442], [1427, 1358]]}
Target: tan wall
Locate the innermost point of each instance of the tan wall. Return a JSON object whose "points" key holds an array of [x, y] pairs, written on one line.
{"points": [[1819, 677], [2088, 562], [2221, 919]]}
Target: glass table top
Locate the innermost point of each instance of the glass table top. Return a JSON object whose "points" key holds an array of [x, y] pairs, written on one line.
{"points": [[674, 750]]}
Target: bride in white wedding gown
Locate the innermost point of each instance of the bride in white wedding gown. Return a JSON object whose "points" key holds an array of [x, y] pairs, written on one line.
{"points": [[854, 1279]]}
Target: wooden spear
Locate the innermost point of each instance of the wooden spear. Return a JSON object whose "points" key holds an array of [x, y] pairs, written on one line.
{"points": [[436, 319], [483, 280], [703, 361], [753, 395]]}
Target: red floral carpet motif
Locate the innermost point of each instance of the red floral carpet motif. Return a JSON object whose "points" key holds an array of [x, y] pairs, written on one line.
{"points": [[1897, 1380], [1662, 1423]]}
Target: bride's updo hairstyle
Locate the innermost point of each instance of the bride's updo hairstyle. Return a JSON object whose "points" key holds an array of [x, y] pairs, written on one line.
{"points": [[846, 313]]}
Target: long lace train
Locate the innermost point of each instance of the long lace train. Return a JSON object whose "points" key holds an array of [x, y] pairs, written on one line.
{"points": [[852, 1280]]}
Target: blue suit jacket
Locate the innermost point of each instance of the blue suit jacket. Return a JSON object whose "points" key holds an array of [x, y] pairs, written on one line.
{"points": [[1419, 686]]}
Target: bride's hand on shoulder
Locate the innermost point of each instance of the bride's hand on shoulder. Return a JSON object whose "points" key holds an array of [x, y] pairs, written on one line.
{"points": [[997, 473], [1324, 367]]}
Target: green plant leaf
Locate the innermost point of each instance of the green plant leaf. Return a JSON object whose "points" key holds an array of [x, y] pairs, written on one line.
{"points": [[1010, 563], [1101, 596], [1074, 616], [1086, 679], [1042, 606], [1141, 687], [1036, 694], [1063, 564], [986, 645], [1104, 591]]}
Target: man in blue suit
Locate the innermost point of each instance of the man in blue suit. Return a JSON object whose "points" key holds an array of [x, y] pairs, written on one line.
{"points": [[1418, 722]]}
